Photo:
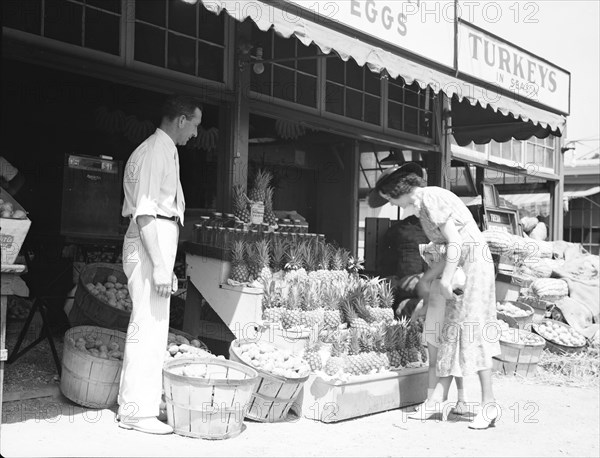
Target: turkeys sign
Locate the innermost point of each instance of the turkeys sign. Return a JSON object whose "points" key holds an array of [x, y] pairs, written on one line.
{"points": [[423, 27], [508, 67]]}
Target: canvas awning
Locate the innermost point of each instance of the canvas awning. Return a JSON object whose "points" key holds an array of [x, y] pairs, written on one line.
{"points": [[534, 204], [481, 124], [378, 59]]}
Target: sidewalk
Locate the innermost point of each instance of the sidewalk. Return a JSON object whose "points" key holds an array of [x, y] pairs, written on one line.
{"points": [[536, 420]]}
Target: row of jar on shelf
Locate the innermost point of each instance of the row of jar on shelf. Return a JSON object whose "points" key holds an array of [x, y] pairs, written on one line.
{"points": [[221, 230]]}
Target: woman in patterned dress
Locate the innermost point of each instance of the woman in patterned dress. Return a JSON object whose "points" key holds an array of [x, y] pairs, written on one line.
{"points": [[469, 337]]}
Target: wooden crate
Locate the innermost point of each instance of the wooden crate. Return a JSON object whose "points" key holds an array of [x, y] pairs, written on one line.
{"points": [[329, 402], [212, 407], [12, 231], [88, 380]]}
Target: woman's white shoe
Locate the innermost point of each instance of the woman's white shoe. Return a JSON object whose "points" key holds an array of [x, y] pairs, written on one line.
{"points": [[429, 409], [487, 416]]}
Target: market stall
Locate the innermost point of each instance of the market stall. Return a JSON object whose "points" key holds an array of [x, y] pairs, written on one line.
{"points": [[270, 261]]}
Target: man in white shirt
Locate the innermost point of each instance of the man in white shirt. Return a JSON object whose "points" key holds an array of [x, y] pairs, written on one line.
{"points": [[154, 201]]}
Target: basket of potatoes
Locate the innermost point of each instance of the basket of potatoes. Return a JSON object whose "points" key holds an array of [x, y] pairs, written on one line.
{"points": [[102, 298], [91, 365]]}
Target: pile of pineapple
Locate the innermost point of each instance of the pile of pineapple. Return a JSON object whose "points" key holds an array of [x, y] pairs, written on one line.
{"points": [[258, 260], [326, 299], [260, 191], [356, 351]]}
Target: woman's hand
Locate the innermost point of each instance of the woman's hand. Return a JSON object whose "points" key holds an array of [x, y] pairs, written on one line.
{"points": [[446, 289]]}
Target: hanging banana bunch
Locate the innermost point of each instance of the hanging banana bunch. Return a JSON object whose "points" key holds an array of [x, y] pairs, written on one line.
{"points": [[101, 116], [289, 130]]}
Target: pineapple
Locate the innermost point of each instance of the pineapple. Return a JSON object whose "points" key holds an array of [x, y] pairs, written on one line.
{"points": [[263, 248], [258, 191], [369, 356], [239, 268], [310, 257], [364, 312], [355, 360], [254, 266], [337, 261], [323, 262], [386, 301], [240, 204], [271, 305], [295, 255], [351, 317], [391, 343], [279, 254], [270, 217], [291, 315], [332, 315], [380, 346], [402, 343], [413, 344], [337, 362], [311, 353]]}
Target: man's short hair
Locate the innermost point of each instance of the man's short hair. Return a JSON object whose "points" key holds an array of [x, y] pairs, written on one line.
{"points": [[177, 105]]}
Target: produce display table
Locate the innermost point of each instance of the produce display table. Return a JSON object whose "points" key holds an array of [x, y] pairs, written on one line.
{"points": [[329, 401], [11, 284], [238, 308]]}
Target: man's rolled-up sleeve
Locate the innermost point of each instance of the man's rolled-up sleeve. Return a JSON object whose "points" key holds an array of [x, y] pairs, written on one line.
{"points": [[149, 185]]}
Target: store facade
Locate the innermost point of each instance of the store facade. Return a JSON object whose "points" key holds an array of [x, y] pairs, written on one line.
{"points": [[304, 92]]}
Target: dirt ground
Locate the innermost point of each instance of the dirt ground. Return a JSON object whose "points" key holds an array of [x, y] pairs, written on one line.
{"points": [[536, 420]]}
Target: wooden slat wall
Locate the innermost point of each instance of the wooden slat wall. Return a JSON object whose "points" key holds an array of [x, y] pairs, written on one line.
{"points": [[375, 229]]}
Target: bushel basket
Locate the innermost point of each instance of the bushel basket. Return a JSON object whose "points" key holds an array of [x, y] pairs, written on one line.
{"points": [[207, 398], [88, 309], [274, 395], [519, 358], [89, 380]]}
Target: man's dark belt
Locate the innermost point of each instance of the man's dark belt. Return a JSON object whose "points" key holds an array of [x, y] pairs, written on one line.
{"points": [[170, 218]]}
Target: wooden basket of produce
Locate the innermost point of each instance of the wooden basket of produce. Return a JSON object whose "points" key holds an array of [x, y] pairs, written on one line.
{"points": [[91, 366], [281, 378], [102, 298], [514, 311], [560, 337], [207, 398], [539, 306], [181, 344], [520, 352]]}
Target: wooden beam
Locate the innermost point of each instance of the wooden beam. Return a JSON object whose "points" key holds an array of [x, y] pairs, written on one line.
{"points": [[522, 188], [235, 117]]}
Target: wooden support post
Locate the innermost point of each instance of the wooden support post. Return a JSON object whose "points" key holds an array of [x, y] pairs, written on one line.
{"points": [[556, 193], [354, 204], [445, 144], [439, 165], [233, 163]]}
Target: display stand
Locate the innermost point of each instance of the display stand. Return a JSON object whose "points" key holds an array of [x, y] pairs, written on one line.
{"points": [[10, 286], [238, 307], [330, 402]]}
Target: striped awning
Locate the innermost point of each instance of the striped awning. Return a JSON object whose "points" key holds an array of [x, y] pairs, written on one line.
{"points": [[378, 59]]}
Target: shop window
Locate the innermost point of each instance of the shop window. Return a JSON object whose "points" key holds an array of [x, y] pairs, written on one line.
{"points": [[25, 15], [410, 108], [180, 36], [352, 91], [539, 151], [93, 24], [293, 79]]}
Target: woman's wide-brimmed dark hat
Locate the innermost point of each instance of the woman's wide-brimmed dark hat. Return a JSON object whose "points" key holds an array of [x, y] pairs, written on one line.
{"points": [[375, 200]]}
